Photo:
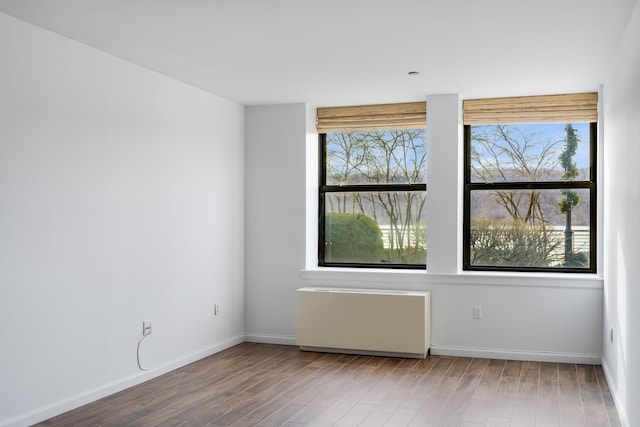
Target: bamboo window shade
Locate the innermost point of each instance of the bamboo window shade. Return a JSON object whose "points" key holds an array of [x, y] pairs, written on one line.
{"points": [[579, 107], [411, 115]]}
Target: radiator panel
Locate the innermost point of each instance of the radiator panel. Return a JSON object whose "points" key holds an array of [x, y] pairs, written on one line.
{"points": [[363, 321]]}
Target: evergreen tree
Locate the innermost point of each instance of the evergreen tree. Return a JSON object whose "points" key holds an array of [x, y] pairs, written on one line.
{"points": [[571, 197]]}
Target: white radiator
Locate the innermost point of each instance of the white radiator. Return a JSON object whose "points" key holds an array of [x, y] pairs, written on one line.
{"points": [[394, 323]]}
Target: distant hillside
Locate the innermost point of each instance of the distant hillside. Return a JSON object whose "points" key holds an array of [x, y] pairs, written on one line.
{"points": [[485, 205]]}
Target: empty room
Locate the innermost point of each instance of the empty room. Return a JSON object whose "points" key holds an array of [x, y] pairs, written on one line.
{"points": [[282, 212]]}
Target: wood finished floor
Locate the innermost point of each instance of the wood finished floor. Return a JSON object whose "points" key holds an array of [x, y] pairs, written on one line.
{"points": [[270, 385]]}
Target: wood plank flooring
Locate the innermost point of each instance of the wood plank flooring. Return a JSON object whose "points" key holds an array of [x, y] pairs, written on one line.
{"points": [[270, 385]]}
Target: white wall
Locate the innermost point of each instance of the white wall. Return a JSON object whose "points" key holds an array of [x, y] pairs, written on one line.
{"points": [[621, 107], [121, 200], [444, 148], [275, 200], [541, 317]]}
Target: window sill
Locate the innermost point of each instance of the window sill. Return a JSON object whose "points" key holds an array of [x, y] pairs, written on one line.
{"points": [[422, 280]]}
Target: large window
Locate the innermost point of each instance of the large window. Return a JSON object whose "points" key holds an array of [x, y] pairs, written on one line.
{"points": [[530, 184], [372, 187]]}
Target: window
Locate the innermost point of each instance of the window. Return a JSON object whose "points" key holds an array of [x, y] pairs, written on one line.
{"points": [[530, 184], [372, 186]]}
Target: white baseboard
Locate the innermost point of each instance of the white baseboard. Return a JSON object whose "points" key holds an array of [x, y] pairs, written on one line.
{"points": [[622, 414], [271, 339], [533, 356], [92, 395], [483, 353]]}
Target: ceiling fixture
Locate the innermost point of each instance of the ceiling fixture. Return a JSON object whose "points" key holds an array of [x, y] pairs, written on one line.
{"points": [[413, 73]]}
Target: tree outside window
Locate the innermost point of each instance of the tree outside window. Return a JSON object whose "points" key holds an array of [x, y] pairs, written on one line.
{"points": [[529, 193], [372, 198]]}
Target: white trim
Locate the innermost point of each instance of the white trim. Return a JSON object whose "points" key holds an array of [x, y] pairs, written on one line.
{"points": [[614, 394], [421, 280], [532, 356], [80, 399], [483, 353], [271, 339]]}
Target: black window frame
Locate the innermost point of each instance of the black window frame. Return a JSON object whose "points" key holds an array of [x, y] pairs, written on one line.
{"points": [[351, 188], [589, 184]]}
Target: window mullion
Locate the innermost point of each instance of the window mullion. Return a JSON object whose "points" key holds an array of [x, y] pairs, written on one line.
{"points": [[545, 185], [361, 188]]}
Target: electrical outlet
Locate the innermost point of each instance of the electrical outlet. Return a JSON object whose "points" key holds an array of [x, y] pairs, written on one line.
{"points": [[146, 327], [477, 312]]}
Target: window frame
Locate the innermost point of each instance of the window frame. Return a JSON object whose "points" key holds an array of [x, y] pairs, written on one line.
{"points": [[589, 184], [324, 189]]}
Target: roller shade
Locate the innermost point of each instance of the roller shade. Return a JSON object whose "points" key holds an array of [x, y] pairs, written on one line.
{"points": [[579, 107], [411, 115]]}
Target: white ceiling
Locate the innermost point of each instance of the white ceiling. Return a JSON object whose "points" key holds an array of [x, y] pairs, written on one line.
{"points": [[341, 52]]}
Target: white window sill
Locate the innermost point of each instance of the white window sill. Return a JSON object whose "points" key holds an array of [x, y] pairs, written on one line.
{"points": [[422, 280]]}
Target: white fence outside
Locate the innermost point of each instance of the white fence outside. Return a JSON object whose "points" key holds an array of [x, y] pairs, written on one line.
{"points": [[581, 237]]}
